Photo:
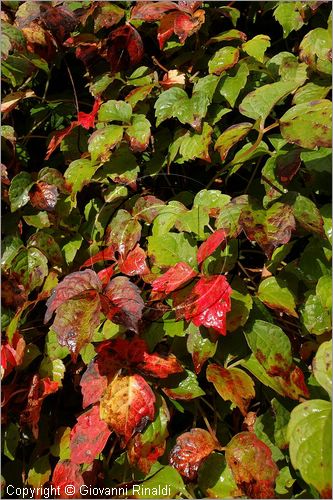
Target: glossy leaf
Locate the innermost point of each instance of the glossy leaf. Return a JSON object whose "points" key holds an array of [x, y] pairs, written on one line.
{"points": [[19, 190], [103, 141], [275, 293], [190, 450], [216, 479], [118, 111], [252, 466], [127, 406], [230, 137], [67, 473], [223, 59], [232, 384], [257, 46], [322, 366], [201, 345], [174, 278]]}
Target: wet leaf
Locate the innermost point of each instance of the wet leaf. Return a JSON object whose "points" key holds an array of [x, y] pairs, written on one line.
{"points": [[252, 466], [201, 345], [103, 141], [170, 250], [186, 387], [275, 293], [138, 134], [174, 278], [88, 437], [322, 366], [257, 46], [230, 137], [309, 452], [19, 190], [118, 111], [288, 15], [93, 385], [223, 60], [232, 384], [127, 406], [190, 450], [216, 479], [67, 473]]}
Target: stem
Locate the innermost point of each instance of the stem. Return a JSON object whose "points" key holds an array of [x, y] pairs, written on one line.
{"points": [[210, 430], [73, 86], [157, 63]]}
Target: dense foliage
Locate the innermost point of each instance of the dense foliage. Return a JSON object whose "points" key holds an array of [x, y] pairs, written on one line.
{"points": [[167, 247]]}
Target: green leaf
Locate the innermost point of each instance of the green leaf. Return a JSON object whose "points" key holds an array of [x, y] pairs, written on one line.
{"points": [[167, 103], [122, 167], [211, 200], [115, 111], [102, 141], [229, 217], [227, 36], [310, 443], [40, 473], [275, 293], [78, 174], [241, 305], [233, 82], [61, 445], [166, 483], [172, 248], [310, 92], [317, 310], [232, 384], [194, 221], [281, 420], [30, 265], [271, 347], [52, 347], [315, 50], [264, 430], [10, 439], [47, 245], [309, 124], [257, 46], [138, 134], [259, 103], [222, 60], [183, 387], [206, 86], [284, 482], [201, 345], [195, 145], [322, 366], [215, 478], [254, 367], [307, 215], [10, 248], [52, 368], [19, 190], [230, 137], [288, 15]]}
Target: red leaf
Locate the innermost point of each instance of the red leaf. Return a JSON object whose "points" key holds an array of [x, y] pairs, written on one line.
{"points": [[152, 11], [190, 450], [185, 25], [67, 473], [106, 274], [13, 293], [210, 245], [128, 405], [87, 120], [93, 384], [59, 20], [73, 285], [147, 208], [44, 196], [125, 40], [208, 303], [134, 263], [40, 388], [102, 256], [166, 28], [122, 303], [58, 137], [133, 353], [176, 276], [252, 465], [88, 437], [12, 354]]}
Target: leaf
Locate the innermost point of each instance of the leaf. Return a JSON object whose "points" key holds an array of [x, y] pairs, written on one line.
{"points": [[175, 103], [174, 278], [223, 60], [138, 134], [10, 440], [167, 481], [39, 390], [252, 466], [215, 478], [40, 472], [241, 305], [52, 368], [269, 228], [73, 285], [10, 101], [102, 141], [19, 190], [308, 124], [152, 11], [122, 303], [127, 406], [78, 174], [317, 309], [309, 452], [88, 437], [307, 215], [43, 196], [195, 145], [185, 387], [93, 385], [60, 447], [58, 137], [208, 303], [233, 82], [190, 450], [145, 448], [201, 345], [170, 250], [125, 48], [30, 267], [123, 233], [66, 473], [288, 15], [229, 218], [310, 92], [322, 366], [118, 111], [315, 50], [134, 263], [257, 46], [230, 137], [102, 256], [275, 293], [259, 103], [232, 384], [227, 36]]}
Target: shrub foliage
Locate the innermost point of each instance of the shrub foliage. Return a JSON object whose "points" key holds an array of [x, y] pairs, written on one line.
{"points": [[167, 247]]}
